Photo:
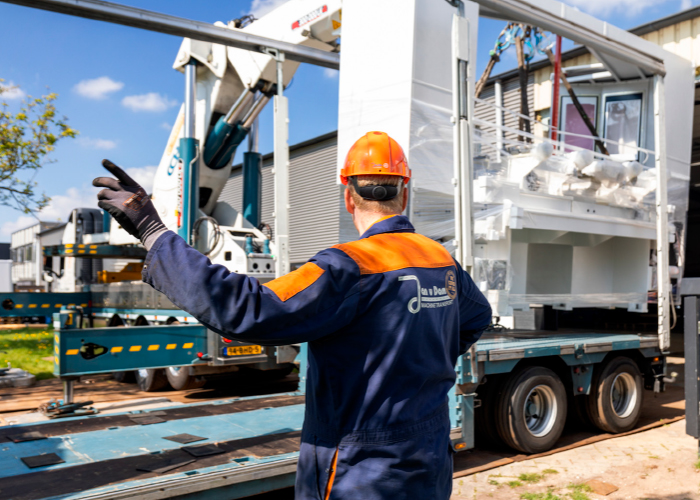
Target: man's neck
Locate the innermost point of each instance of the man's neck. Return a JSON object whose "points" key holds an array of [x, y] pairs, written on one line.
{"points": [[364, 220]]}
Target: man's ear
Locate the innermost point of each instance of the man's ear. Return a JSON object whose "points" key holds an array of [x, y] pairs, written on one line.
{"points": [[405, 197], [349, 202]]}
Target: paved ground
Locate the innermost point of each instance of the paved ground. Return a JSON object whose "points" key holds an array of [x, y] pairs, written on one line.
{"points": [[657, 464]]}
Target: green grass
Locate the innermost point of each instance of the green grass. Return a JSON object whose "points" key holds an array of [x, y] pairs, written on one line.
{"points": [[540, 496], [578, 491], [697, 465], [550, 471], [25, 349], [531, 478], [514, 484]]}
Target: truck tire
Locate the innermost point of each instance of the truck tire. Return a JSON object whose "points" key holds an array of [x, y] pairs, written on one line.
{"points": [[615, 402], [151, 380], [485, 430], [181, 380], [127, 377], [531, 411]]}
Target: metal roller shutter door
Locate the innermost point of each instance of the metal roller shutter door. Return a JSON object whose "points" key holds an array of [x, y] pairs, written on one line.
{"points": [[314, 193]]}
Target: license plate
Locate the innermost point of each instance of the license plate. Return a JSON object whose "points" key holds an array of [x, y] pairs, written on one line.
{"points": [[242, 350]]}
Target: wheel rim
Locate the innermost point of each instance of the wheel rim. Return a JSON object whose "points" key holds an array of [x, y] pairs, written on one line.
{"points": [[143, 373], [540, 410], [174, 370], [623, 395]]}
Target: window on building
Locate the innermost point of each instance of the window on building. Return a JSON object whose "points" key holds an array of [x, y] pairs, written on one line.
{"points": [[623, 123]]}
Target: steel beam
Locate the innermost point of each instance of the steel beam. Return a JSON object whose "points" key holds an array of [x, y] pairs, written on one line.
{"points": [[537, 15], [178, 26]]}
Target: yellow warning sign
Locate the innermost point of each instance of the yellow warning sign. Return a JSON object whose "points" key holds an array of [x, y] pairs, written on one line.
{"points": [[336, 24]]}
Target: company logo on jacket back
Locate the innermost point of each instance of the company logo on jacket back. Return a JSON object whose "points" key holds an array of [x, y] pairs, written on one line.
{"points": [[431, 297]]}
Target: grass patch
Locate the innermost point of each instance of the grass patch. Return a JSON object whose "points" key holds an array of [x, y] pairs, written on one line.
{"points": [[697, 465], [493, 482], [550, 471], [531, 478], [578, 491], [514, 484], [540, 496], [25, 349]]}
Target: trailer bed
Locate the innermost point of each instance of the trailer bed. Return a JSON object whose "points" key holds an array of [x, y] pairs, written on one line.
{"points": [[257, 437]]}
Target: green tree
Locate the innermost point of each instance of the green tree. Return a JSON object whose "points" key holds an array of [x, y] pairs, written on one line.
{"points": [[26, 139]]}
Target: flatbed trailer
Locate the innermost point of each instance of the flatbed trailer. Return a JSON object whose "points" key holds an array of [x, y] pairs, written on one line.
{"points": [[256, 439]]}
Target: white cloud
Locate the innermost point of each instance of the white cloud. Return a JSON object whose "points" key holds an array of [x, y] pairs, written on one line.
{"points": [[59, 209], [97, 88], [10, 91], [261, 7], [686, 4], [330, 73], [61, 205], [143, 175], [166, 126], [628, 8], [23, 221], [151, 102], [104, 144]]}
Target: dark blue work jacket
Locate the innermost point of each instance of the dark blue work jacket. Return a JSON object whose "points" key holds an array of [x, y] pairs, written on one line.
{"points": [[385, 317]]}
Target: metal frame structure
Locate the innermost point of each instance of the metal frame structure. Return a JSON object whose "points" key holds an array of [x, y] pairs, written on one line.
{"points": [[186, 28], [581, 28]]}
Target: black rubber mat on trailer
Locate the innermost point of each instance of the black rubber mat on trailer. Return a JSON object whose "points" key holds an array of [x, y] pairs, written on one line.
{"points": [[97, 423], [37, 485]]}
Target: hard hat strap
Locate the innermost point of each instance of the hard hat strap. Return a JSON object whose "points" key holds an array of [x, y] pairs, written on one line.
{"points": [[377, 192]]}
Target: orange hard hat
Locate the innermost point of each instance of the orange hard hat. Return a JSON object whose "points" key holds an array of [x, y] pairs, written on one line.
{"points": [[375, 153]]}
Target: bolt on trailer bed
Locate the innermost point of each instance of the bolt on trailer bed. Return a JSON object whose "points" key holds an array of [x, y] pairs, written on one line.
{"points": [[532, 372]]}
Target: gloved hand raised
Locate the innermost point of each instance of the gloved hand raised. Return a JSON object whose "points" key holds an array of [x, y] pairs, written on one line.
{"points": [[129, 204]]}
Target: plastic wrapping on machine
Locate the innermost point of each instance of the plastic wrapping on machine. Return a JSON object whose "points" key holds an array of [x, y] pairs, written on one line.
{"points": [[431, 159], [491, 274]]}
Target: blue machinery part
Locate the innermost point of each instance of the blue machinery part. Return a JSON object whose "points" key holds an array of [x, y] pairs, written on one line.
{"points": [[229, 131], [222, 143], [189, 155], [252, 187]]}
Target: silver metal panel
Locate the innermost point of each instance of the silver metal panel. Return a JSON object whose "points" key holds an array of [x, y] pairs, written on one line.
{"points": [[506, 354], [602, 347], [690, 286], [646, 342], [171, 25]]}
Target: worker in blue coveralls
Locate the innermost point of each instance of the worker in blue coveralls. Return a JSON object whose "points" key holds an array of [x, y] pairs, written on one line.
{"points": [[385, 318]]}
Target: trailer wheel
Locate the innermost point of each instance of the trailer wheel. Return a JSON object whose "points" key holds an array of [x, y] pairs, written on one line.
{"points": [[531, 410], [181, 380], [615, 402], [150, 379], [124, 377], [485, 429]]}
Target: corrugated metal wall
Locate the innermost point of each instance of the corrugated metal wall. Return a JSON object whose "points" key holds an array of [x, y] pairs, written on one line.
{"points": [[511, 101], [314, 197], [314, 192], [233, 190]]}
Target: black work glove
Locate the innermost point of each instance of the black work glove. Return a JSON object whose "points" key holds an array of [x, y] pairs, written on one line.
{"points": [[129, 204]]}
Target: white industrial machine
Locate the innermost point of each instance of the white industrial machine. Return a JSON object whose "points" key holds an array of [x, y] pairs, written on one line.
{"points": [[540, 222]]}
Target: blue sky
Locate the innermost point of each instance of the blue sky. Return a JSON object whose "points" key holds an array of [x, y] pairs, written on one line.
{"points": [[130, 95]]}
